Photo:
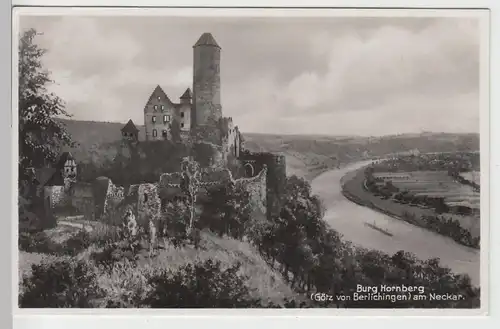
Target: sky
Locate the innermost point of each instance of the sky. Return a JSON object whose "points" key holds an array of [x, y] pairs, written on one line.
{"points": [[367, 76]]}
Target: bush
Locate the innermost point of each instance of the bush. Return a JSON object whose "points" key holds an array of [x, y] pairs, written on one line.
{"points": [[65, 283], [202, 285], [126, 285], [76, 243], [116, 252], [38, 242]]}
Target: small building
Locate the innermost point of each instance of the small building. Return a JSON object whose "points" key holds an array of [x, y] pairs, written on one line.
{"points": [[130, 132], [62, 174]]}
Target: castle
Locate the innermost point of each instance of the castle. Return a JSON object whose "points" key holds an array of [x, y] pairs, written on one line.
{"points": [[192, 128]]}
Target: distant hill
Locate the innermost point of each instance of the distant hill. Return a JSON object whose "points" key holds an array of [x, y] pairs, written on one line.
{"points": [[307, 155]]}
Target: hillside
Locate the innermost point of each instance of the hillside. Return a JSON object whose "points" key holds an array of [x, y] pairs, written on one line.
{"points": [[307, 155], [263, 281]]}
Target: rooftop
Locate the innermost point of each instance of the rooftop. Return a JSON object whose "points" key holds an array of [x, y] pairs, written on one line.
{"points": [[130, 127], [206, 39]]}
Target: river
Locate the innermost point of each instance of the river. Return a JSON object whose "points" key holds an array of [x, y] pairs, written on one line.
{"points": [[350, 219]]}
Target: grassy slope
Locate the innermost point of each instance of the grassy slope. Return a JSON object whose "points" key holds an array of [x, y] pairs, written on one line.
{"points": [[266, 283], [307, 156]]}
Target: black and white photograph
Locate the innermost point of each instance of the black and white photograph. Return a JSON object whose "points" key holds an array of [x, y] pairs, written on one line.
{"points": [[204, 159]]}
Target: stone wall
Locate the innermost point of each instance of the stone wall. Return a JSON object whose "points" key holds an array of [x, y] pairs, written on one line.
{"points": [[148, 204], [82, 200], [113, 198], [253, 163], [58, 196], [257, 189]]}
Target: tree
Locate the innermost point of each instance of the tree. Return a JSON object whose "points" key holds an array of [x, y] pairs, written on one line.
{"points": [[41, 134]]}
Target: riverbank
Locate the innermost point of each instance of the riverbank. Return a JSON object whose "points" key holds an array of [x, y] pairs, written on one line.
{"points": [[350, 220], [352, 187]]}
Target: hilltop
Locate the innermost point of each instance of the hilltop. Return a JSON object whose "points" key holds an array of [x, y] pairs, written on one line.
{"points": [[306, 155]]}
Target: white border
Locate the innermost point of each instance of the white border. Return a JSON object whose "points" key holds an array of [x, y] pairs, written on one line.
{"points": [[146, 314]]}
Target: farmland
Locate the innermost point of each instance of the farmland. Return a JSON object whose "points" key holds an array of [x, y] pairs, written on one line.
{"points": [[472, 176], [430, 199], [432, 184]]}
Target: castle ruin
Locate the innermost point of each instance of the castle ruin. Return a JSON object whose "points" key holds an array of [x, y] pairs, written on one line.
{"points": [[193, 128]]}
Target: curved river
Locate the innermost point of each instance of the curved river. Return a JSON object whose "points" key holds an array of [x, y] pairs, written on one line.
{"points": [[350, 220]]}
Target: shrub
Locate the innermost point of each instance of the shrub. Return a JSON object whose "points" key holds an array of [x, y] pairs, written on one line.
{"points": [[76, 243], [66, 283], [37, 242], [116, 252], [126, 285], [202, 285]]}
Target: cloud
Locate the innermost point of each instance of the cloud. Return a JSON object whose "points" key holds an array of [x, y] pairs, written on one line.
{"points": [[329, 75]]}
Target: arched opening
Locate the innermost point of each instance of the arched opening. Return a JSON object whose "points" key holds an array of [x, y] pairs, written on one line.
{"points": [[249, 170]]}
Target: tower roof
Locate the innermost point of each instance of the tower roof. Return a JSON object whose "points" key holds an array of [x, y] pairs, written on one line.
{"points": [[206, 39], [64, 157], [130, 127], [187, 94]]}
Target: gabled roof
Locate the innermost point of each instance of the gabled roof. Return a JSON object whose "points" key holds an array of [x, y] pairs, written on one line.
{"points": [[206, 39], [158, 92], [187, 94], [43, 175], [130, 127]]}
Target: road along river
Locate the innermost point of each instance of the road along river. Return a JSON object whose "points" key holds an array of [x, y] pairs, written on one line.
{"points": [[351, 219]]}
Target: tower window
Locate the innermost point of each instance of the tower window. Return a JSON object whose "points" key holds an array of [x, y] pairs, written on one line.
{"points": [[154, 133], [153, 119]]}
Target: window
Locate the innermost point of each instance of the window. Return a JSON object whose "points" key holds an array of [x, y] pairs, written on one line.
{"points": [[163, 107], [164, 133], [156, 107], [166, 118], [182, 114], [182, 125], [153, 119], [159, 98], [154, 132]]}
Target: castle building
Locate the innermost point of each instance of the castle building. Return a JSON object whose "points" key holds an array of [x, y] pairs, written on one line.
{"points": [[130, 132], [207, 108], [161, 115], [199, 109]]}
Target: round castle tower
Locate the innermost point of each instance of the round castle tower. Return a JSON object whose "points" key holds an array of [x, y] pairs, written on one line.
{"points": [[207, 109]]}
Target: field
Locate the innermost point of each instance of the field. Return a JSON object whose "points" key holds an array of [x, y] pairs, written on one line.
{"points": [[424, 182], [472, 176], [433, 184]]}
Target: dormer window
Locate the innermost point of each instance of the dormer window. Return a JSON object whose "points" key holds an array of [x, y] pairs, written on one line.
{"points": [[153, 119]]}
